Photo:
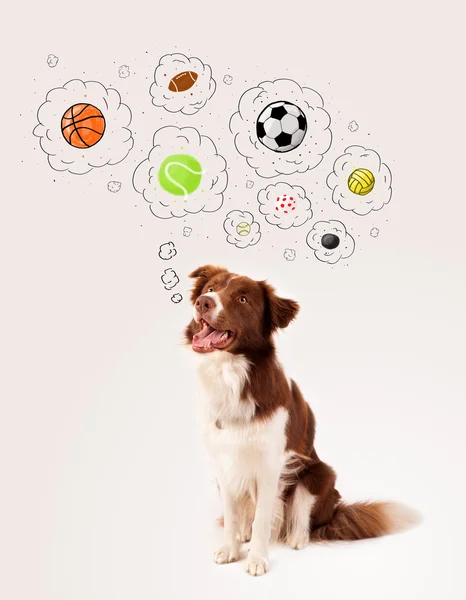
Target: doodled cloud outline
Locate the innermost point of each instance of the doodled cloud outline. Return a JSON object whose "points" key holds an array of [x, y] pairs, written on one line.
{"points": [[208, 197], [116, 143], [170, 279], [344, 249], [167, 251], [308, 155], [52, 60], [267, 199], [360, 157], [231, 222], [191, 101]]}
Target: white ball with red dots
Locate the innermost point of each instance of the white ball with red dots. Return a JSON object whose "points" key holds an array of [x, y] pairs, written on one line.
{"points": [[285, 204]]}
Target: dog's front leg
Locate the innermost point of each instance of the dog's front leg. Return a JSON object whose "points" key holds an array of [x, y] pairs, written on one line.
{"points": [[267, 489], [229, 551]]}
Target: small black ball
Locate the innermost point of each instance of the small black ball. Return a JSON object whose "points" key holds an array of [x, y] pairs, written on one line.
{"points": [[330, 241]]}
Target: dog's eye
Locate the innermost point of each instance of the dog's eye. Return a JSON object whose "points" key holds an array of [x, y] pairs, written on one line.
{"points": [[242, 299], [210, 290]]}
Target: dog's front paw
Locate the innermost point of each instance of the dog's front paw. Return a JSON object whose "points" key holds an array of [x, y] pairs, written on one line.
{"points": [[257, 565], [226, 554]]}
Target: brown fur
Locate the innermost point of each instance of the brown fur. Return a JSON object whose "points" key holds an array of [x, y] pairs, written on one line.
{"points": [[356, 521], [255, 324]]}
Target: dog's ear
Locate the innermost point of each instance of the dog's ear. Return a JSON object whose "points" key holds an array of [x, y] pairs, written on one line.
{"points": [[279, 311], [207, 272], [203, 275]]}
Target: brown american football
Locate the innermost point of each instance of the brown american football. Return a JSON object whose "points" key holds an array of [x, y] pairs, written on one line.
{"points": [[182, 81]]}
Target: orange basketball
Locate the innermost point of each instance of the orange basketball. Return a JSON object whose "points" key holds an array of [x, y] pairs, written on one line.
{"points": [[83, 125]]}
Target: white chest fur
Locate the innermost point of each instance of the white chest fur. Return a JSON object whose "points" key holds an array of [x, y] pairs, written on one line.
{"points": [[222, 376], [239, 446]]}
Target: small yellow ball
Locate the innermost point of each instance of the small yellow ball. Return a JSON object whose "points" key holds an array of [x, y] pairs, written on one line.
{"points": [[361, 182], [243, 228]]}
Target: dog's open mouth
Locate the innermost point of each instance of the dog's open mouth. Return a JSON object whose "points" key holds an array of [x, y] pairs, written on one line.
{"points": [[210, 339]]}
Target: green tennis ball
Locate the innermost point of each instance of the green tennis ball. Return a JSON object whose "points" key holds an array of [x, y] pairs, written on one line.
{"points": [[243, 228], [180, 174]]}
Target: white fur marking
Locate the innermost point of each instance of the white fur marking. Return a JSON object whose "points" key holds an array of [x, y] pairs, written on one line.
{"points": [[222, 377], [400, 517], [244, 451], [218, 306], [299, 517], [248, 456], [195, 315]]}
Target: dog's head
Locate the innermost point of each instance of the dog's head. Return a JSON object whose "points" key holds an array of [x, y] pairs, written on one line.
{"points": [[234, 313]]}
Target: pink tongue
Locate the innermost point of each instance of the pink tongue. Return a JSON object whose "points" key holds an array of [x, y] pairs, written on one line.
{"points": [[207, 337]]}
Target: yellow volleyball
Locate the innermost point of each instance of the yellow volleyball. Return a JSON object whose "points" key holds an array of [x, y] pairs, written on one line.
{"points": [[361, 182]]}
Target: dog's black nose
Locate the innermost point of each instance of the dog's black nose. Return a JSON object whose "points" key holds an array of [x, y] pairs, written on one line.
{"points": [[205, 303]]}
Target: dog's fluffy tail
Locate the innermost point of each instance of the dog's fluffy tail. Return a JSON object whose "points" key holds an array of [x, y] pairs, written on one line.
{"points": [[363, 520]]}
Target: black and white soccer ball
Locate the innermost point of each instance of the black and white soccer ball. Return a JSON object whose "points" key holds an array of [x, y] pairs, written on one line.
{"points": [[281, 126]]}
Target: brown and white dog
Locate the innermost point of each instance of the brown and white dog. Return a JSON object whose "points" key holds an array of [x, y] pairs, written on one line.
{"points": [[260, 431]]}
